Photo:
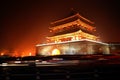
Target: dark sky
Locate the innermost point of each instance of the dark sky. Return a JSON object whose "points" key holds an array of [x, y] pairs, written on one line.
{"points": [[24, 23]]}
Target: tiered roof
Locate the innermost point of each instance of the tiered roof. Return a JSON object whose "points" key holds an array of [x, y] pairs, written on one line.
{"points": [[73, 21], [75, 25]]}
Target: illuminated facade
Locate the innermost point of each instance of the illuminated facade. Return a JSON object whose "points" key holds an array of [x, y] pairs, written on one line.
{"points": [[72, 35]]}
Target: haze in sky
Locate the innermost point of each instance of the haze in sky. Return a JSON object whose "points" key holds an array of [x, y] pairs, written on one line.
{"points": [[25, 23]]}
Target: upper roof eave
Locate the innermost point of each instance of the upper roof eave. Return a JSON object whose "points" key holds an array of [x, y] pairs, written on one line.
{"points": [[73, 16]]}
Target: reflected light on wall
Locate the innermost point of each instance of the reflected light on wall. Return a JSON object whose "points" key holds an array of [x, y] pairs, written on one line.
{"points": [[45, 51]]}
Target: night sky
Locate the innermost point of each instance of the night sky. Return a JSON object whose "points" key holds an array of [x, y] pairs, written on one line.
{"points": [[24, 23]]}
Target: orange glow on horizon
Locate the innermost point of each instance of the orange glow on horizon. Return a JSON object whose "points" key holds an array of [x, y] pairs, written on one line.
{"points": [[30, 54], [18, 53]]}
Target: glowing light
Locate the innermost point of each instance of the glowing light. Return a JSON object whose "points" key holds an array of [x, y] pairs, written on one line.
{"points": [[30, 54], [2, 54], [56, 52]]}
